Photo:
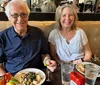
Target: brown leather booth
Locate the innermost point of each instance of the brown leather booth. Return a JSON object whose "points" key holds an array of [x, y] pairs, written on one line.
{"points": [[91, 28]]}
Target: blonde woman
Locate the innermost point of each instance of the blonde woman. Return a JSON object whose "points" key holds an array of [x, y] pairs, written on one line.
{"points": [[67, 41]]}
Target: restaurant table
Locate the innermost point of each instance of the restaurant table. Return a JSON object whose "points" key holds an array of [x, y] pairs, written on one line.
{"points": [[55, 78]]}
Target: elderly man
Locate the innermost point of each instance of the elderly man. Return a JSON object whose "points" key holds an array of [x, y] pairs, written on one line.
{"points": [[22, 46]]}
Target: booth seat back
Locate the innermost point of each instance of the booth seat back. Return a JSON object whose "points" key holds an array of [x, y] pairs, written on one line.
{"points": [[91, 28]]}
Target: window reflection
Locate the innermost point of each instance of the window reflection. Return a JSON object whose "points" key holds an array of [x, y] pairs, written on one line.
{"points": [[98, 6], [43, 6], [87, 6], [84, 6]]}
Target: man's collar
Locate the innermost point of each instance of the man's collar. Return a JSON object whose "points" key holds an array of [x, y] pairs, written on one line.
{"points": [[14, 34]]}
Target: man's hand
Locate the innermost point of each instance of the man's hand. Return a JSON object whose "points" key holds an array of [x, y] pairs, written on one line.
{"points": [[2, 71]]}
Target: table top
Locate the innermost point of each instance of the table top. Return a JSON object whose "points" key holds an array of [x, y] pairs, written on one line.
{"points": [[55, 78]]}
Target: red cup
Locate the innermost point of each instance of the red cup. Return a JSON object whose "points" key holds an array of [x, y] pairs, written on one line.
{"points": [[7, 77]]}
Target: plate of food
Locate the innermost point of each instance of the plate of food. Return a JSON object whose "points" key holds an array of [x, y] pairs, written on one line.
{"points": [[30, 76], [81, 67]]}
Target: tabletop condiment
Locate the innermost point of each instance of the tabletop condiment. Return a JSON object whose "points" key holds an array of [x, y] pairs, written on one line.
{"points": [[76, 78], [5, 78], [2, 80]]}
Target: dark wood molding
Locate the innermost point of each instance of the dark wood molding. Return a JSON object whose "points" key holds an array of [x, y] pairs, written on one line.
{"points": [[42, 16], [3, 16], [51, 17], [89, 16]]}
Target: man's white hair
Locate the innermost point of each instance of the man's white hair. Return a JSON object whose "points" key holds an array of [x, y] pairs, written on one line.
{"points": [[21, 2]]}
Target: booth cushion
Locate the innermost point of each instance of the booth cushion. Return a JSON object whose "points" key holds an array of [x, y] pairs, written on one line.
{"points": [[91, 28]]}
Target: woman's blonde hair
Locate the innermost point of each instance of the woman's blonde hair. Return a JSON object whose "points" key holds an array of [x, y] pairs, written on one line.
{"points": [[59, 12]]}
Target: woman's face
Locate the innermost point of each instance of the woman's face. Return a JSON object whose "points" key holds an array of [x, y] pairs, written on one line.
{"points": [[67, 18]]}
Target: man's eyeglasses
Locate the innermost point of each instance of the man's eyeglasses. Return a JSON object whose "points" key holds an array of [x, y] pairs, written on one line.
{"points": [[65, 2], [22, 15]]}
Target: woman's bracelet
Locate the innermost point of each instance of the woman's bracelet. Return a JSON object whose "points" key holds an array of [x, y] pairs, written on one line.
{"points": [[82, 59]]}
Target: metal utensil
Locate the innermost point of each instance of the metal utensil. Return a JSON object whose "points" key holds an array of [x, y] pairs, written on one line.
{"points": [[48, 75]]}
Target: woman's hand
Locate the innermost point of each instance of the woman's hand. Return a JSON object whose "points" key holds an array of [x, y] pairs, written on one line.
{"points": [[51, 64], [77, 61]]}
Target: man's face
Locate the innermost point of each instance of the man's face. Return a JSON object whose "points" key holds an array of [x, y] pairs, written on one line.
{"points": [[18, 17]]}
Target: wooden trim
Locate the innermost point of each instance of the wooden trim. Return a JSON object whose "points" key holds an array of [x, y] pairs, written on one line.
{"points": [[51, 17]]}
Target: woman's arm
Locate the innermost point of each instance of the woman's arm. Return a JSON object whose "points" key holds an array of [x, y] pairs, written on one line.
{"points": [[87, 56], [53, 53], [88, 53], [2, 71]]}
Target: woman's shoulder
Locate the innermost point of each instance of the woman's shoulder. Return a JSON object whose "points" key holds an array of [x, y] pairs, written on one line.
{"points": [[80, 30], [54, 31]]}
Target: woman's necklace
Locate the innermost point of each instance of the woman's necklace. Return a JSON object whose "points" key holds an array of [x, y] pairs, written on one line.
{"points": [[68, 35]]}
